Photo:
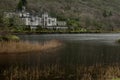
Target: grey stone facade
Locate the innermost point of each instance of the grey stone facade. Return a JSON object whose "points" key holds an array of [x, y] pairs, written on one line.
{"points": [[45, 21]]}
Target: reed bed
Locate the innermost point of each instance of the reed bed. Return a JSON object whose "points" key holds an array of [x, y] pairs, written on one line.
{"points": [[57, 72], [26, 46]]}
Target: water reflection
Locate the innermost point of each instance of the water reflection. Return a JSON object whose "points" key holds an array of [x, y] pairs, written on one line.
{"points": [[83, 49]]}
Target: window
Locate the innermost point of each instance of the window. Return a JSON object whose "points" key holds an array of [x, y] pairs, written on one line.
{"points": [[49, 21]]}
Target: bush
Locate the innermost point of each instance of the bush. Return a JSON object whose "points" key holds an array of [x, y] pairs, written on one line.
{"points": [[118, 41], [9, 38]]}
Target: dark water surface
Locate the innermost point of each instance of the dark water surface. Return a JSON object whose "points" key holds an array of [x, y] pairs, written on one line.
{"points": [[82, 49]]}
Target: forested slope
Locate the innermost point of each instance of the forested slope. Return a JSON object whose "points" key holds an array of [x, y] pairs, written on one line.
{"points": [[91, 14]]}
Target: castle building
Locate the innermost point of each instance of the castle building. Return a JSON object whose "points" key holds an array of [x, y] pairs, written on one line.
{"points": [[45, 21]]}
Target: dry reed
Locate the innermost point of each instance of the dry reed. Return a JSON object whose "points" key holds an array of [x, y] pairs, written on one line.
{"points": [[26, 46], [56, 72]]}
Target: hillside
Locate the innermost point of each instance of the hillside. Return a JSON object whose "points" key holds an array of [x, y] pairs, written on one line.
{"points": [[91, 14]]}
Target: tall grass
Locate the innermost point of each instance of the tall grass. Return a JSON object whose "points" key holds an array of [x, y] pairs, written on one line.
{"points": [[26, 46], [57, 72]]}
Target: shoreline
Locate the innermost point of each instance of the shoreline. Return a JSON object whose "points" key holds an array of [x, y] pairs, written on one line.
{"points": [[56, 32], [38, 33]]}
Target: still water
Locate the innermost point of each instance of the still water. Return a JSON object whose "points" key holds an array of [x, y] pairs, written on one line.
{"points": [[82, 49]]}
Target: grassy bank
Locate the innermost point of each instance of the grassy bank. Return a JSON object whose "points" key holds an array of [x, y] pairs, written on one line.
{"points": [[9, 38], [57, 72], [26, 46]]}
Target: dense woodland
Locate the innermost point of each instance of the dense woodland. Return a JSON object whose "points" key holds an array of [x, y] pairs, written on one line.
{"points": [[103, 15]]}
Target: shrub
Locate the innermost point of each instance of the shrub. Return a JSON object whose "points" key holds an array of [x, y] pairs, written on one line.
{"points": [[9, 38]]}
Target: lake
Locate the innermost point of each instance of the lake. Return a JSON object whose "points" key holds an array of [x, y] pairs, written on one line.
{"points": [[77, 49]]}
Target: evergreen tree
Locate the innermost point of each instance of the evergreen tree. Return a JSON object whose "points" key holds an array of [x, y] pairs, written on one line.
{"points": [[21, 4], [110, 13], [105, 14], [24, 2]]}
